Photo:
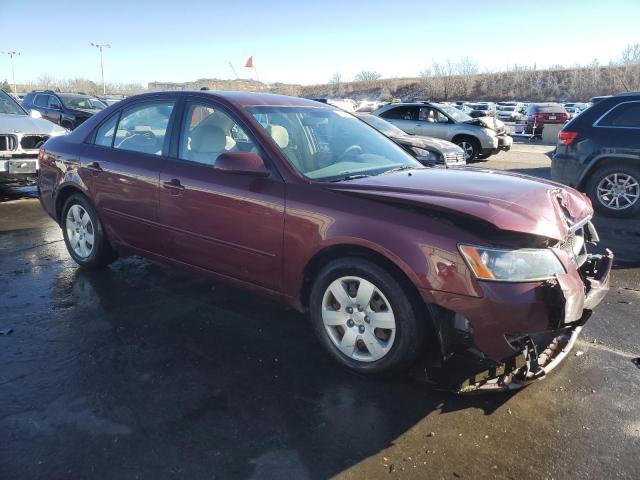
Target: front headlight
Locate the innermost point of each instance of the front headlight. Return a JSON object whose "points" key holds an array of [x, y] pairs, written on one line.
{"points": [[522, 265], [426, 155]]}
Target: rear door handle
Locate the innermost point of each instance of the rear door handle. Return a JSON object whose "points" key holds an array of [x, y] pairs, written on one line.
{"points": [[174, 184]]}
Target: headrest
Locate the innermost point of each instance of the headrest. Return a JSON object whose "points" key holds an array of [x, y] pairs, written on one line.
{"points": [[208, 139], [279, 135]]}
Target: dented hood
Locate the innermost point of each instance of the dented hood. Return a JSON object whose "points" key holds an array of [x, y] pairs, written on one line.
{"points": [[509, 201]]}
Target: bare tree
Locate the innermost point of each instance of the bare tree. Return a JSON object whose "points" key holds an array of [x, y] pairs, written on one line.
{"points": [[628, 68], [367, 76], [468, 66], [336, 84]]}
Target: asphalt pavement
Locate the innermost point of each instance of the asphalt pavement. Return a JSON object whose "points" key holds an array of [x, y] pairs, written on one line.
{"points": [[142, 371]]}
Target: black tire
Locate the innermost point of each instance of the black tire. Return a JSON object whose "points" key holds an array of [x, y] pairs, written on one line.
{"points": [[101, 254], [411, 327], [596, 177], [464, 142]]}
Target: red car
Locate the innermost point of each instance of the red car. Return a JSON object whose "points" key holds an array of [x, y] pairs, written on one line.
{"points": [[306, 203], [541, 114]]}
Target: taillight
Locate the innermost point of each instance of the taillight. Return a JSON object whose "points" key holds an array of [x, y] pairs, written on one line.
{"points": [[41, 154], [566, 137]]}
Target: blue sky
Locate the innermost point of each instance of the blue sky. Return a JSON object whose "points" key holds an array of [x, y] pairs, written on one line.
{"points": [[304, 41]]}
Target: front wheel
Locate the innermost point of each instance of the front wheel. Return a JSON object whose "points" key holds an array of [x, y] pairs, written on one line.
{"points": [[470, 146], [83, 234], [364, 318], [615, 190]]}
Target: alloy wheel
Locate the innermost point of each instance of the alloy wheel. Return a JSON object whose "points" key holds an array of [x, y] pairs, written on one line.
{"points": [[468, 149], [80, 231], [358, 319], [618, 191]]}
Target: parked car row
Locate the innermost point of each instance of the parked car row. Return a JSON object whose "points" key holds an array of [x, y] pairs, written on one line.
{"points": [[478, 137], [21, 136]]}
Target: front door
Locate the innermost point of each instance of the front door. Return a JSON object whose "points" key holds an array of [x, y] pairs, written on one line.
{"points": [[226, 223], [121, 168], [433, 123]]}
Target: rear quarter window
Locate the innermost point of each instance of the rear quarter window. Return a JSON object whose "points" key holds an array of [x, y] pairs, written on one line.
{"points": [[624, 115]]}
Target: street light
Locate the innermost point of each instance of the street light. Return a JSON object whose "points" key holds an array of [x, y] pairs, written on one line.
{"points": [[100, 46], [13, 73]]}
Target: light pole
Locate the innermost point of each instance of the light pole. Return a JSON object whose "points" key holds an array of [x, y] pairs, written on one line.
{"points": [[100, 46], [13, 72]]}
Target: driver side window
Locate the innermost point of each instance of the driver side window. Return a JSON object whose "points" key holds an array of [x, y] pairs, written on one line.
{"points": [[208, 132], [54, 102], [432, 115]]}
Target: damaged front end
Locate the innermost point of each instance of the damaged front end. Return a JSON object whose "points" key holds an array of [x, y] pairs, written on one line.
{"points": [[539, 336]]}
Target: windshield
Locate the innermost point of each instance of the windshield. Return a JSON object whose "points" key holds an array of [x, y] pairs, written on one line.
{"points": [[507, 109], [9, 105], [83, 102], [454, 113], [330, 145], [383, 126]]}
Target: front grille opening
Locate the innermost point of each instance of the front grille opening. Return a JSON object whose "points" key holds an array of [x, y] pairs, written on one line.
{"points": [[33, 142], [7, 143]]}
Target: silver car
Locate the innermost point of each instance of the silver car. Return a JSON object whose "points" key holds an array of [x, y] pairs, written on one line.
{"points": [[478, 137], [21, 136], [510, 113]]}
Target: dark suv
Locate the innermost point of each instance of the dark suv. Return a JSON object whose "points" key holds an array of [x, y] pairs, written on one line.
{"points": [[66, 109], [599, 152]]}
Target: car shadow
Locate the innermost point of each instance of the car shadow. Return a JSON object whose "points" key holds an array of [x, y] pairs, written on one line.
{"points": [[9, 191], [235, 381]]}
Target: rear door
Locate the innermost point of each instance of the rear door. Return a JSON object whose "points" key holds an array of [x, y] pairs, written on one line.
{"points": [[121, 169], [223, 222]]}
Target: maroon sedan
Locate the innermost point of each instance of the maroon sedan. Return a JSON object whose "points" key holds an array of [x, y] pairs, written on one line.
{"points": [[303, 202], [541, 114]]}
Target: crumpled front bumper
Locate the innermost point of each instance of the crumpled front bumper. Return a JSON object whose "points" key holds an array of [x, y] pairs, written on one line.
{"points": [[541, 352]]}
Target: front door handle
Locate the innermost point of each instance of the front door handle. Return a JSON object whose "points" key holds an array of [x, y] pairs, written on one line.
{"points": [[174, 185], [94, 168]]}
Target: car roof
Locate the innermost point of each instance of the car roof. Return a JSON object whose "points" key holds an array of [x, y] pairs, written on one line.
{"points": [[628, 94], [243, 99]]}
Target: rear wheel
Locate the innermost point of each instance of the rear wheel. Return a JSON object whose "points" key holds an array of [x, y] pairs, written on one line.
{"points": [[615, 190], [83, 234], [470, 146], [364, 318]]}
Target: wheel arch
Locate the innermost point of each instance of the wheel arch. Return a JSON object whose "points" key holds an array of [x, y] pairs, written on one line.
{"points": [[343, 250], [63, 194], [604, 160]]}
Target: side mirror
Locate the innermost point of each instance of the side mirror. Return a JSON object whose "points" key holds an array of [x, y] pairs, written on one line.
{"points": [[242, 163], [35, 114]]}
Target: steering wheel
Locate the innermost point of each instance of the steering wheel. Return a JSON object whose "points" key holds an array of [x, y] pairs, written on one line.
{"points": [[351, 150]]}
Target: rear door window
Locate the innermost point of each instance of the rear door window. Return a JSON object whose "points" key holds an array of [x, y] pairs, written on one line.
{"points": [[625, 115], [143, 127]]}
